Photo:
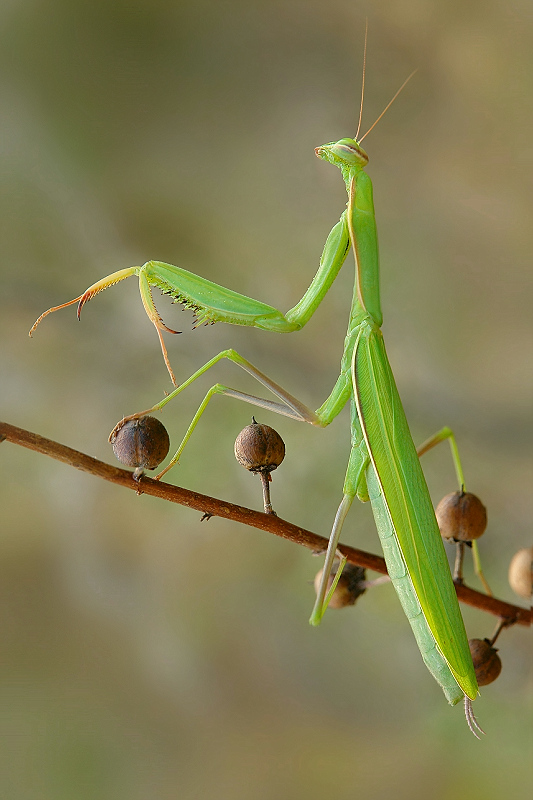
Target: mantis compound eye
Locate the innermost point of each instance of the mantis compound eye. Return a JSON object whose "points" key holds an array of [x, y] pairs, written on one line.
{"points": [[349, 148]]}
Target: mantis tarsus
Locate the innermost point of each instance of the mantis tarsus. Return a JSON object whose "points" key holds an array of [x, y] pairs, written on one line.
{"points": [[383, 465]]}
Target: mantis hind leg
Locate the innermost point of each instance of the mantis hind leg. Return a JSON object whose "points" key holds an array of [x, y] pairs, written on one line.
{"points": [[218, 388], [433, 441]]}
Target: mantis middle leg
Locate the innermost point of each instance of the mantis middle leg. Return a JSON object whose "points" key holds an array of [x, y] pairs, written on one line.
{"points": [[289, 406]]}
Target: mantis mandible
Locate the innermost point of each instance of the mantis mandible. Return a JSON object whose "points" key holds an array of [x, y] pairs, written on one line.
{"points": [[383, 465]]}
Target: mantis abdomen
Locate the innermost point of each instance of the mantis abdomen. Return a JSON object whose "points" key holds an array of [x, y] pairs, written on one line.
{"points": [[405, 520], [433, 658]]}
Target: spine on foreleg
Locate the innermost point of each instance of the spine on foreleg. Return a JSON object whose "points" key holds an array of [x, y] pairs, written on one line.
{"points": [[399, 576]]}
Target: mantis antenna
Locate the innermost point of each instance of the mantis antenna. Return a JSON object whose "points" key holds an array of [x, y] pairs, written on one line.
{"points": [[362, 83], [404, 84]]}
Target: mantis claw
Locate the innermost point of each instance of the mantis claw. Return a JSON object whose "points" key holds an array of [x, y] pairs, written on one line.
{"points": [[110, 280], [105, 283], [84, 299]]}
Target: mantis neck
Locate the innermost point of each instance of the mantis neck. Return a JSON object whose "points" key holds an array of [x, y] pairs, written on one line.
{"points": [[363, 235]]}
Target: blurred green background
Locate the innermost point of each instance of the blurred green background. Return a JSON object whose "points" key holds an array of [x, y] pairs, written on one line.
{"points": [[146, 654]]}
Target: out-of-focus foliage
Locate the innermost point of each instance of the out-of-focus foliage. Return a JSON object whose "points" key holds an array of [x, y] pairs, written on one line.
{"points": [[146, 654]]}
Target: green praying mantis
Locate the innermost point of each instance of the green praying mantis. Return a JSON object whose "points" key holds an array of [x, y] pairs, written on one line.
{"points": [[383, 465]]}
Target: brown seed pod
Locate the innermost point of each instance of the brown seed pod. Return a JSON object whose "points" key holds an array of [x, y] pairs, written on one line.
{"points": [[348, 589], [461, 516], [259, 448], [141, 443], [521, 572], [487, 662]]}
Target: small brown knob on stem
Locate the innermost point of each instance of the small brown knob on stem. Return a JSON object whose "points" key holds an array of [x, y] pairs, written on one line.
{"points": [[351, 585], [141, 443], [487, 662], [521, 572], [260, 449], [461, 516]]}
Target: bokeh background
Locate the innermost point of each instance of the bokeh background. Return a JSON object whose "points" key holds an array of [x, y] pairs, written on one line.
{"points": [[146, 654]]}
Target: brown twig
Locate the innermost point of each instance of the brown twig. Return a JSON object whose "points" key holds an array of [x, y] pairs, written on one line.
{"points": [[219, 508]]}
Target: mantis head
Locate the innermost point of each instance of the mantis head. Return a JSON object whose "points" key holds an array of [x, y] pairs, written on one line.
{"points": [[345, 154]]}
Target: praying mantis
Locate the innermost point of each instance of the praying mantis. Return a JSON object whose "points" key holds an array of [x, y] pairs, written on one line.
{"points": [[383, 465]]}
